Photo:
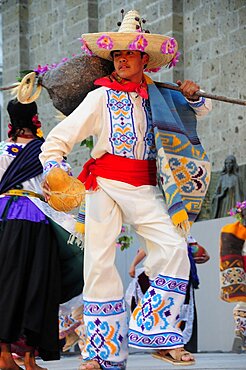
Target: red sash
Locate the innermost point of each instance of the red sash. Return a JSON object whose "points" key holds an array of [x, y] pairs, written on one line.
{"points": [[136, 172]]}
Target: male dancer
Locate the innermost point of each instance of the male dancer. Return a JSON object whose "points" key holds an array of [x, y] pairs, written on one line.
{"points": [[136, 126]]}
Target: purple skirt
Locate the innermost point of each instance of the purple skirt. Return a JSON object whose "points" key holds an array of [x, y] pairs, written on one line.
{"points": [[21, 208]]}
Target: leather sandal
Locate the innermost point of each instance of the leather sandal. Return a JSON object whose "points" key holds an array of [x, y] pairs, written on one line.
{"points": [[174, 356]]}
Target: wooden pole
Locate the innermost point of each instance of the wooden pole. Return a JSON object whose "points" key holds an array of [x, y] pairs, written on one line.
{"points": [[176, 88], [8, 87], [203, 94]]}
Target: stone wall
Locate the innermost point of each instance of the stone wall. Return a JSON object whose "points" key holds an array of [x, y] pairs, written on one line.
{"points": [[214, 54], [44, 32], [211, 37]]}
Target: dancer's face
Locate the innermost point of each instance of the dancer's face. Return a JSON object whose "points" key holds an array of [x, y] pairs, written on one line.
{"points": [[129, 64]]}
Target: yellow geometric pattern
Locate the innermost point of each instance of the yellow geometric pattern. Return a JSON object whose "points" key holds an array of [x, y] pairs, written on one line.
{"points": [[173, 144]]}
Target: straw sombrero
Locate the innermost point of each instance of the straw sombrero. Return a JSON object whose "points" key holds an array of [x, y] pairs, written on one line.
{"points": [[130, 36]]}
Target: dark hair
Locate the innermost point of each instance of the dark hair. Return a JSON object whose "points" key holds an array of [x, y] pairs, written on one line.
{"points": [[113, 51], [142, 53], [21, 116]]}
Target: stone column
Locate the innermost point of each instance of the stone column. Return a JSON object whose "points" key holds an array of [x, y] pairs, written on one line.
{"points": [[15, 38], [15, 45]]}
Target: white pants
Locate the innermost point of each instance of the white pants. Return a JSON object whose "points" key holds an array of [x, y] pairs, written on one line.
{"points": [[153, 325]]}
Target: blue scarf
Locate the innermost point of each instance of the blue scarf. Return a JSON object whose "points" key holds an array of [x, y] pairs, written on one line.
{"points": [[184, 168]]}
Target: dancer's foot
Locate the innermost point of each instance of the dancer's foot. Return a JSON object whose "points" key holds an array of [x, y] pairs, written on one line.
{"points": [[6, 360], [177, 356], [89, 365], [35, 367], [9, 365], [30, 363], [5, 366]]}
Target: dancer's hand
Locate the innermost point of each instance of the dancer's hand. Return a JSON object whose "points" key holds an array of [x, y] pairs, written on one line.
{"points": [[132, 271], [188, 89]]}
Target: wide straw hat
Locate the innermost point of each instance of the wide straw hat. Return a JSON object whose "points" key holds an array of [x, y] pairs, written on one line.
{"points": [[131, 36]]}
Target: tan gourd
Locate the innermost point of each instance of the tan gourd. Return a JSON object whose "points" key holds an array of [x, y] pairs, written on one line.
{"points": [[58, 179], [66, 192]]}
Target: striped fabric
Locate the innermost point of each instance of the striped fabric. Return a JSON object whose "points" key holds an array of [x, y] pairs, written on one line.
{"points": [[25, 166]]}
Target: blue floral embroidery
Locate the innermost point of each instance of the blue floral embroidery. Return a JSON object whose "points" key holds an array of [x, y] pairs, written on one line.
{"points": [[149, 139], [10, 149], [197, 104], [104, 339], [13, 149], [154, 320], [157, 340], [106, 324], [104, 308], [153, 310], [123, 137], [49, 165]]}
